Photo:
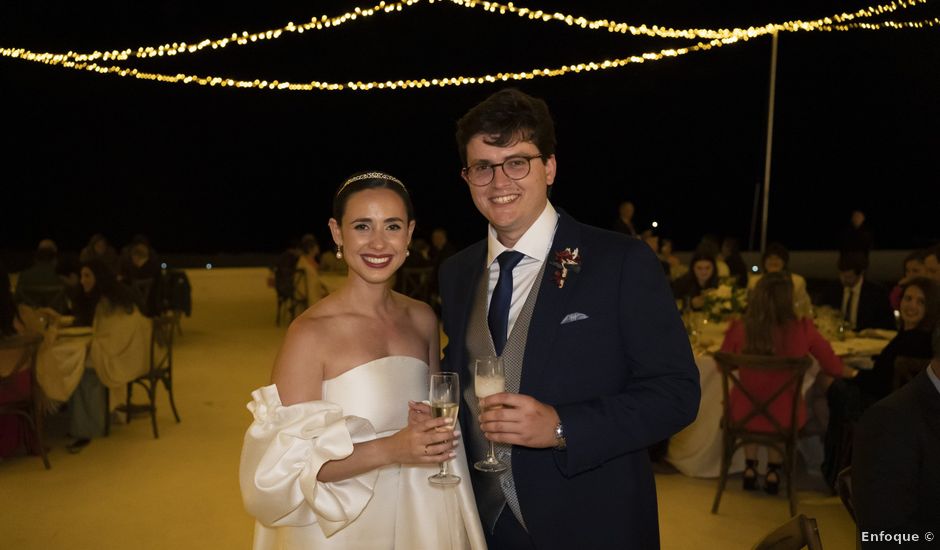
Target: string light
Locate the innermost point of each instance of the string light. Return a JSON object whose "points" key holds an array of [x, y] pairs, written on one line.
{"points": [[389, 84], [665, 32], [243, 38], [884, 25], [717, 38], [325, 22]]}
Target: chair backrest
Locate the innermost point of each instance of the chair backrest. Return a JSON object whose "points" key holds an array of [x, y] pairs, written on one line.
{"points": [[416, 282], [161, 344], [844, 487], [906, 368], [799, 532], [19, 354], [795, 367]]}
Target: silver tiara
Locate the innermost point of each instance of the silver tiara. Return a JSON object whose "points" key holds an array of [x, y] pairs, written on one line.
{"points": [[369, 176]]}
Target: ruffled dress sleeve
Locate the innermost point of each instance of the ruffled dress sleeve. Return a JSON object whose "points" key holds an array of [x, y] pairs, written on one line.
{"points": [[284, 449]]}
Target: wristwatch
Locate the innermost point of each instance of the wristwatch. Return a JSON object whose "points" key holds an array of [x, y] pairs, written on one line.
{"points": [[560, 442]]}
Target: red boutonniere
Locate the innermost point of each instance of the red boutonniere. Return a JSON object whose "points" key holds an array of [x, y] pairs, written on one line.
{"points": [[566, 260]]}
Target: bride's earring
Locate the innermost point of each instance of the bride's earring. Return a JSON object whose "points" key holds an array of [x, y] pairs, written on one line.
{"points": [[407, 253], [339, 252]]}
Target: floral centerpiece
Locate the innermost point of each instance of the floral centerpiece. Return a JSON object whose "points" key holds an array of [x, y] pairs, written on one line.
{"points": [[724, 301]]}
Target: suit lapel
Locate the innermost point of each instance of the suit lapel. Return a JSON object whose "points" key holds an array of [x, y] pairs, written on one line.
{"points": [[550, 307]]}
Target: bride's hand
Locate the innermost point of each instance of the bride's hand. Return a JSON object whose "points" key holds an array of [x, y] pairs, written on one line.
{"points": [[418, 412], [427, 441]]}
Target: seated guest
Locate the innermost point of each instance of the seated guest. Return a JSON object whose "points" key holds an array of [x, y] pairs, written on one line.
{"points": [[701, 275], [932, 263], [920, 311], [441, 248], [776, 258], [119, 350], [126, 260], [913, 267], [13, 433], [36, 286], [771, 327], [676, 267], [142, 274], [895, 477], [863, 304], [710, 246], [99, 248], [731, 254]]}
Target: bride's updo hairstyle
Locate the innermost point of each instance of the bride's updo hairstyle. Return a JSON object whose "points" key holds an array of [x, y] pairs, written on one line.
{"points": [[361, 181]]}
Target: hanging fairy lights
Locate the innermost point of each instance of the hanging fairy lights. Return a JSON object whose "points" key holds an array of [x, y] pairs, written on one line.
{"points": [[326, 22], [390, 84], [102, 62]]}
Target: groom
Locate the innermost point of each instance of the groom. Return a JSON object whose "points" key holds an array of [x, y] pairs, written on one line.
{"points": [[598, 365]]}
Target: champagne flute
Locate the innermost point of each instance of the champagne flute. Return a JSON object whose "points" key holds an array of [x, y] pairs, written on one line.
{"points": [[445, 400], [488, 380]]}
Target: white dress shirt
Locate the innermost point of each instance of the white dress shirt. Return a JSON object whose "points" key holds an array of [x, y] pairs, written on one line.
{"points": [[850, 297], [535, 243]]}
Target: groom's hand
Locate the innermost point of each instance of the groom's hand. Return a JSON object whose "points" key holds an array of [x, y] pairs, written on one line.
{"points": [[521, 420]]}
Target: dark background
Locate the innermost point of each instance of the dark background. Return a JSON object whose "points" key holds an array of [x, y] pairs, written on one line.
{"points": [[218, 170]]}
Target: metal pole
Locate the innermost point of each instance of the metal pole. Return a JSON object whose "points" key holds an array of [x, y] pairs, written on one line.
{"points": [[770, 142]]}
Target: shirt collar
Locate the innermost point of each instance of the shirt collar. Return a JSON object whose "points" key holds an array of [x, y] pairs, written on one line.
{"points": [[932, 375], [534, 243]]}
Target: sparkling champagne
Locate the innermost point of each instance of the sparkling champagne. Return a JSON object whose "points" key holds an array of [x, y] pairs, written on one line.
{"points": [[444, 409], [485, 386]]}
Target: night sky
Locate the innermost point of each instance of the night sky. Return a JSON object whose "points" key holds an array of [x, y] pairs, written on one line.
{"points": [[207, 170]]}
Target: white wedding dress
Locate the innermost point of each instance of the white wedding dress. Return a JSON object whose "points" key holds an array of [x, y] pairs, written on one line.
{"points": [[393, 507]]}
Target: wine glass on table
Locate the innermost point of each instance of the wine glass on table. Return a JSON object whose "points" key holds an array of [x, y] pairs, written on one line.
{"points": [[488, 379], [445, 400]]}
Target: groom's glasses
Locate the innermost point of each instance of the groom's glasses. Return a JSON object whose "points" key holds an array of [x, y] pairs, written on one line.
{"points": [[515, 168]]}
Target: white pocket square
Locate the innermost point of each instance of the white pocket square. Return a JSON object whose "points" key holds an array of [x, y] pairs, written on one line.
{"points": [[572, 317]]}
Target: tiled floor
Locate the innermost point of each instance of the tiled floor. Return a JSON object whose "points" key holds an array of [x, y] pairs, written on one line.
{"points": [[130, 490]]}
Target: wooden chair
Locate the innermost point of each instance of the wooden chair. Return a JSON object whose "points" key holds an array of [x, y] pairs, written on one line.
{"points": [[906, 368], [844, 487], [800, 532], [735, 433], [161, 371], [416, 282], [28, 405]]}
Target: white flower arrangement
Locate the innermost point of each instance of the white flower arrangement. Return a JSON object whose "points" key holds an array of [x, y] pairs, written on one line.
{"points": [[724, 301]]}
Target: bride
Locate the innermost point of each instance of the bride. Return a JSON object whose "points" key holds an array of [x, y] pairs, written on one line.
{"points": [[341, 447]]}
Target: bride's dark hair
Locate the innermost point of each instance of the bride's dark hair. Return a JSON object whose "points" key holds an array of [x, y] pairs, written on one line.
{"points": [[361, 181]]}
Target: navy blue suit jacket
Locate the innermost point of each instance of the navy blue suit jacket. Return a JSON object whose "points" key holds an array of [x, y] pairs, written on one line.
{"points": [[895, 477], [621, 379]]}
